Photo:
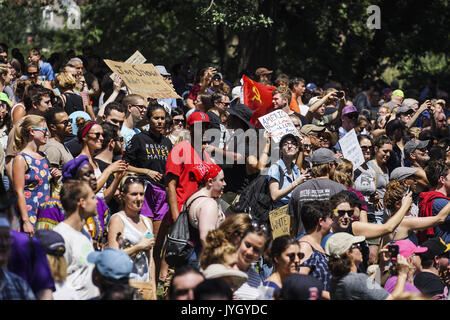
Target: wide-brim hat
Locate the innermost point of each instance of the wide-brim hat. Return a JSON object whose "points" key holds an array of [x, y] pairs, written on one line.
{"points": [[242, 112], [217, 270]]}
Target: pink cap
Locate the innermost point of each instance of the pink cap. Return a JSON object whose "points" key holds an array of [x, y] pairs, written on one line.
{"points": [[349, 109], [406, 248]]}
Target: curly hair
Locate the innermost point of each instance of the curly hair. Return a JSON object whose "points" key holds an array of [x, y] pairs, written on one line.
{"points": [[394, 192], [217, 247], [344, 173]]}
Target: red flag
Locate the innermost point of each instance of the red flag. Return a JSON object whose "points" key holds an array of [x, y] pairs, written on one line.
{"points": [[258, 97]]}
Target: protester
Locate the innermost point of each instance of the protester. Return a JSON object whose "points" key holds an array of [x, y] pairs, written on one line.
{"points": [[253, 244], [133, 233], [79, 203], [286, 256]]}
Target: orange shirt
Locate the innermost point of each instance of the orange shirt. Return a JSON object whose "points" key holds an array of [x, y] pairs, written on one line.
{"points": [[294, 105]]}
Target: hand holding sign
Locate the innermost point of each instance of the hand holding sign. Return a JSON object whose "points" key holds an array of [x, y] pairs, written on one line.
{"points": [[278, 124]]}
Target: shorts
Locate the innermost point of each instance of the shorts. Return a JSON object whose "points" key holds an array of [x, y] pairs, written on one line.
{"points": [[155, 205]]}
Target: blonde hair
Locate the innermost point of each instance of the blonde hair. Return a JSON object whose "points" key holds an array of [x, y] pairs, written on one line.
{"points": [[65, 81], [58, 267], [238, 222], [415, 132], [22, 132], [217, 247], [343, 173]]}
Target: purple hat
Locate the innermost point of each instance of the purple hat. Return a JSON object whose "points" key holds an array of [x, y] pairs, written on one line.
{"points": [[71, 168], [349, 109]]}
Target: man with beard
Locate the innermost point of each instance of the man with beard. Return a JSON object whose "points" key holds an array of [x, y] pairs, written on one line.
{"points": [[416, 153]]}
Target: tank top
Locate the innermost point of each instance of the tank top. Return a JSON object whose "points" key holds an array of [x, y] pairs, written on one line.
{"points": [[131, 236], [195, 219], [12, 110], [318, 263]]}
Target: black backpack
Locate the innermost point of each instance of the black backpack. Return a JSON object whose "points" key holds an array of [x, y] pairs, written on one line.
{"points": [[179, 243], [255, 199]]}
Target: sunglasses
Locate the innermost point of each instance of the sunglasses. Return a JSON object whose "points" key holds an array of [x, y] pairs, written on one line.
{"points": [[356, 246], [292, 255], [44, 130], [255, 226], [97, 135], [227, 103], [180, 121], [65, 122], [132, 180], [342, 213], [352, 116], [307, 146], [140, 107], [33, 73], [365, 148]]}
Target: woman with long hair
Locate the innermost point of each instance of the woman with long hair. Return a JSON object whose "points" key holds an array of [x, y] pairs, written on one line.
{"points": [[31, 170], [90, 136], [286, 255], [253, 244], [19, 111], [133, 233]]}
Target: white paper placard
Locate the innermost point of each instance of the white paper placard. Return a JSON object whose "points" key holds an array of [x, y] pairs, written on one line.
{"points": [[351, 149], [278, 124]]}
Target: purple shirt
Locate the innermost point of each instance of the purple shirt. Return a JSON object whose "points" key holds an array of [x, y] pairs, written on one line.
{"points": [[35, 269], [389, 286]]}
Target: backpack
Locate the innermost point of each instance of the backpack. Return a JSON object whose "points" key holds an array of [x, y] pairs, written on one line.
{"points": [[255, 199], [179, 244]]}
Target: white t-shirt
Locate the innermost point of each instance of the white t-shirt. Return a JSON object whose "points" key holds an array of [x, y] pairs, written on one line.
{"points": [[79, 270], [64, 291]]}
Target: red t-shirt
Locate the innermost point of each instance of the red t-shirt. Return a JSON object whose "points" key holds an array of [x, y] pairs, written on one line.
{"points": [[180, 163]]}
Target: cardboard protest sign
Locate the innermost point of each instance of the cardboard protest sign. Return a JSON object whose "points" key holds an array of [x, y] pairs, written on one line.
{"points": [[280, 222], [278, 124], [351, 149], [136, 58], [143, 79]]}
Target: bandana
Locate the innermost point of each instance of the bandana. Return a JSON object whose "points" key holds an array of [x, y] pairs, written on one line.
{"points": [[86, 128], [205, 171], [71, 168]]}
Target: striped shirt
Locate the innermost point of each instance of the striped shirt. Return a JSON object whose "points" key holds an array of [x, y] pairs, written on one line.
{"points": [[249, 290]]}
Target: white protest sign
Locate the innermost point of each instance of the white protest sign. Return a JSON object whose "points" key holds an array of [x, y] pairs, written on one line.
{"points": [[351, 149], [278, 124]]}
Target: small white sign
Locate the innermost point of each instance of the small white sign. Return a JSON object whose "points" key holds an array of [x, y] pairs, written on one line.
{"points": [[351, 149], [278, 124]]}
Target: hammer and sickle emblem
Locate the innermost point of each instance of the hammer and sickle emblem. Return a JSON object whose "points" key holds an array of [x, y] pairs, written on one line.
{"points": [[257, 95]]}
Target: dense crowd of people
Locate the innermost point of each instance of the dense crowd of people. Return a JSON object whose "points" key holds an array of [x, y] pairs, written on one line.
{"points": [[94, 178]]}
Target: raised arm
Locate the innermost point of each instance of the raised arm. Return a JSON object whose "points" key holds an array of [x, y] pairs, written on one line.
{"points": [[372, 230], [417, 223]]}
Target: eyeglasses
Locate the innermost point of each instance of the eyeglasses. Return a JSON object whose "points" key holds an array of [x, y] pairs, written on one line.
{"points": [[227, 103], [97, 134], [292, 255], [44, 130], [33, 73], [65, 122], [4, 105], [258, 227], [342, 213]]}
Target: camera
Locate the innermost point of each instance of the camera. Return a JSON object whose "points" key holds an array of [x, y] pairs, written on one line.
{"points": [[393, 250], [339, 94]]}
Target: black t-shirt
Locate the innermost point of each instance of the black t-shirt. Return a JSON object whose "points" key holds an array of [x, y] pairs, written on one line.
{"points": [[74, 147], [73, 103], [429, 284], [148, 151], [102, 166], [236, 176]]}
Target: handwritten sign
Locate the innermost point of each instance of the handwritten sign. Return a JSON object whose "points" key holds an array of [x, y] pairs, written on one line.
{"points": [[280, 222], [351, 149], [143, 79], [278, 124], [136, 58]]}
